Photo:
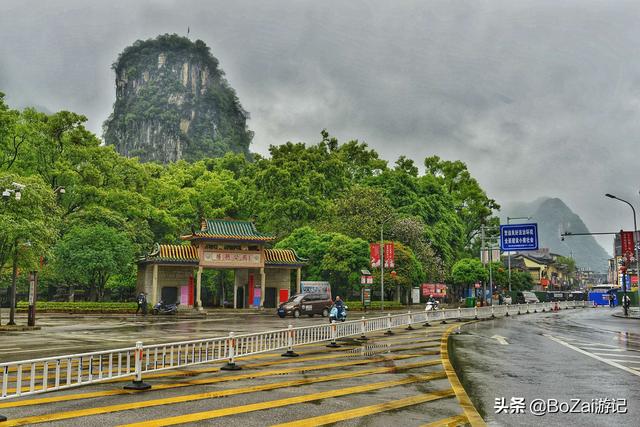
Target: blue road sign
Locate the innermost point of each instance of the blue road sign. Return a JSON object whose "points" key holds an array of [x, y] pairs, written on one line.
{"points": [[519, 237]]}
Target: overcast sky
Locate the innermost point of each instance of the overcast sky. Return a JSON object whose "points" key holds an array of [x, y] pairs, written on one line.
{"points": [[539, 98]]}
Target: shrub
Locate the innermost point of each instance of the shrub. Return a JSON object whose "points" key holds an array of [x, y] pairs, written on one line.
{"points": [[81, 306]]}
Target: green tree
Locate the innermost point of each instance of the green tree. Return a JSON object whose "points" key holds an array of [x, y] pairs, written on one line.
{"points": [[465, 273], [91, 255]]}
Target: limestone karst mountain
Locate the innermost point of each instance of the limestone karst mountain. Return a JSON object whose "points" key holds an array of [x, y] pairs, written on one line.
{"points": [[173, 102]]}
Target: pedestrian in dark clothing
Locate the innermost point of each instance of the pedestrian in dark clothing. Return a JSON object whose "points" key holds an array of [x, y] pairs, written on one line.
{"points": [[500, 299], [142, 303]]}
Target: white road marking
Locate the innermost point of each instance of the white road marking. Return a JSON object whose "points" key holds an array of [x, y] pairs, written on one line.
{"points": [[603, 349], [502, 340], [586, 353], [626, 361], [617, 355], [596, 345], [9, 349]]}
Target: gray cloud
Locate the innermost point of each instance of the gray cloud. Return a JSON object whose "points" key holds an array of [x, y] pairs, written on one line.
{"points": [[540, 98]]}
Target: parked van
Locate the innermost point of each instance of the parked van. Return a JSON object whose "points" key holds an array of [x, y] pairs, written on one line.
{"points": [[524, 297], [308, 304]]}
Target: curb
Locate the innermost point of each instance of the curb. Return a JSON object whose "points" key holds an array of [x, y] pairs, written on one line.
{"points": [[470, 411]]}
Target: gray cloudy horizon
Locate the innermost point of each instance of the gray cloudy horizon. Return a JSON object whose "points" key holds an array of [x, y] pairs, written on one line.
{"points": [[538, 98]]}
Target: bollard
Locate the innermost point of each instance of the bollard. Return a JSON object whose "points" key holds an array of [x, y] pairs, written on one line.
{"points": [[444, 320], [290, 352], [363, 329], [389, 331], [231, 364], [475, 313], [459, 314], [519, 308], [3, 418], [493, 314], [426, 322], [527, 308], [507, 311], [410, 328], [334, 335], [137, 383]]}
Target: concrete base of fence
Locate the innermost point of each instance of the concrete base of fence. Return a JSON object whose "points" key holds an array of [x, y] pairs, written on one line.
{"points": [[444, 322], [230, 367], [137, 385], [3, 418], [389, 332], [290, 353], [333, 344], [409, 328], [363, 338]]}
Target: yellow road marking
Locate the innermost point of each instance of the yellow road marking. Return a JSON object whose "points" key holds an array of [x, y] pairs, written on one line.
{"points": [[469, 410], [356, 351], [216, 413], [369, 410], [256, 374], [230, 392], [455, 421]]}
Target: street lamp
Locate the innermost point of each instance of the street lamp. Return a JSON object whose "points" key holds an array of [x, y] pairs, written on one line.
{"points": [[509, 218], [635, 238], [382, 223]]}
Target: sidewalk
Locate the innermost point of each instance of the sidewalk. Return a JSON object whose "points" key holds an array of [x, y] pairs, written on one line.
{"points": [[634, 313]]}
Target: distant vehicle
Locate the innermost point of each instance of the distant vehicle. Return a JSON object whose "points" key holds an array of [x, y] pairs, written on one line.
{"points": [[337, 314], [524, 297], [163, 308], [309, 304]]}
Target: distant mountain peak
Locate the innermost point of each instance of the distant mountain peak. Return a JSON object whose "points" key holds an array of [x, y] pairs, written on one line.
{"points": [[554, 217]]}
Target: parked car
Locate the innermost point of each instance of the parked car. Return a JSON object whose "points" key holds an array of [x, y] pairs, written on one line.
{"points": [[307, 304], [526, 297]]}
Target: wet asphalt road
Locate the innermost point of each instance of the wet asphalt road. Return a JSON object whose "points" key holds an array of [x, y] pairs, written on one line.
{"points": [[576, 354]]}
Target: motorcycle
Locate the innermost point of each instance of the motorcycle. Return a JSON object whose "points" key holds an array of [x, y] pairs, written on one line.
{"points": [[431, 306], [338, 315], [164, 308]]}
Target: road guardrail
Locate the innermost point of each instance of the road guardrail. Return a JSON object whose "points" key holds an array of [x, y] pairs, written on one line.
{"points": [[35, 376]]}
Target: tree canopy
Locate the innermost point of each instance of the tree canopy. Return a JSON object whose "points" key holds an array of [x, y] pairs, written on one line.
{"points": [[327, 200]]}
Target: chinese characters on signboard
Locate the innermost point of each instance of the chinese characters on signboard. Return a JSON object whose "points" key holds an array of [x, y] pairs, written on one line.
{"points": [[519, 237], [389, 255], [231, 259], [626, 240]]}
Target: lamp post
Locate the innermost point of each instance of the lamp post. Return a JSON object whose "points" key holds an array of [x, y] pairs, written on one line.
{"points": [[382, 223], [509, 218], [635, 236]]}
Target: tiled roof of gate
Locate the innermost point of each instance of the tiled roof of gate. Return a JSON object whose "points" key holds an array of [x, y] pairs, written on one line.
{"points": [[283, 257], [225, 229], [174, 254]]}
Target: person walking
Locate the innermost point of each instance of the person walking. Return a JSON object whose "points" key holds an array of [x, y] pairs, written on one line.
{"points": [[142, 304]]}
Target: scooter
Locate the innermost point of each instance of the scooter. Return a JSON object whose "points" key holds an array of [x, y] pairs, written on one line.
{"points": [[431, 306], [338, 315], [163, 308]]}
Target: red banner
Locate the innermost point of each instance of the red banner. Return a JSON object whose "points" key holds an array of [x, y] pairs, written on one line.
{"points": [[438, 290], [389, 255], [374, 251], [626, 241]]}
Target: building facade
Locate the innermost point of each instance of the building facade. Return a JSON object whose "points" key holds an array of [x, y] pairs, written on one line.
{"points": [[262, 275]]}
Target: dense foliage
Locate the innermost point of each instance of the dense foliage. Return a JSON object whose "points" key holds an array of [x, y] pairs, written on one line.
{"points": [[326, 200]]}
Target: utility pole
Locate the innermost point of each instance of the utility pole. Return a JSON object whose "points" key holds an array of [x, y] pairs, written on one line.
{"points": [[382, 266], [509, 252]]}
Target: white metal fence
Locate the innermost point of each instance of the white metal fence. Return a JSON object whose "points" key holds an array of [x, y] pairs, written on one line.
{"points": [[27, 377]]}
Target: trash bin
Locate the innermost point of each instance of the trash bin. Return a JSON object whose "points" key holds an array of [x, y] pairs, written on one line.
{"points": [[471, 302]]}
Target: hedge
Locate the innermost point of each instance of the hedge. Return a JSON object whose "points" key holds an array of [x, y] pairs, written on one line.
{"points": [[375, 305], [82, 306]]}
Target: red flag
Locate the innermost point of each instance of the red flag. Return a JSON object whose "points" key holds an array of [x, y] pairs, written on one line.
{"points": [[389, 255], [626, 239], [374, 251]]}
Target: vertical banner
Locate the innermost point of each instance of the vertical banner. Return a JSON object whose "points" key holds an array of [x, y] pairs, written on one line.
{"points": [[374, 251], [626, 240], [389, 255]]}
